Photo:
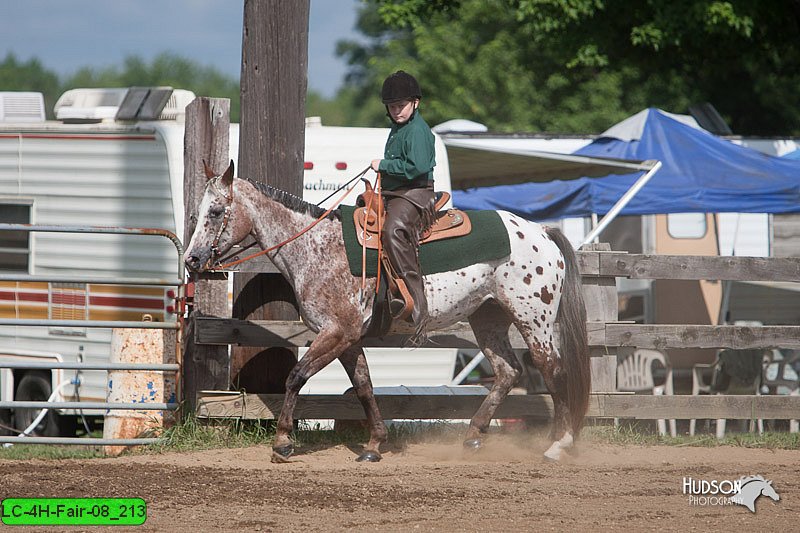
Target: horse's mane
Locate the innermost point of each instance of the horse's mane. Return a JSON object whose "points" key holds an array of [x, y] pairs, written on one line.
{"points": [[295, 203], [748, 479]]}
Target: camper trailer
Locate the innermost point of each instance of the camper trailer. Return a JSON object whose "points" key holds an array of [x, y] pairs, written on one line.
{"points": [[106, 162]]}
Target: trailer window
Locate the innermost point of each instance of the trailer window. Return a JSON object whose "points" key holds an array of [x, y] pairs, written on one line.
{"points": [[686, 225], [68, 301], [15, 250]]}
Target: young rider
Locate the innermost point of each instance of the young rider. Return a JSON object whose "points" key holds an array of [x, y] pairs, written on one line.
{"points": [[407, 184]]}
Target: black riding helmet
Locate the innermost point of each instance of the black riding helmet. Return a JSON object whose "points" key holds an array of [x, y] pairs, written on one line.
{"points": [[400, 86]]}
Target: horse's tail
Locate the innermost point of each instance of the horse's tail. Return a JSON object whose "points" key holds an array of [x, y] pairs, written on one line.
{"points": [[574, 348]]}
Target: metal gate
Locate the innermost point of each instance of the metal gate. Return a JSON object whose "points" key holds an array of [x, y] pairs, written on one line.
{"points": [[178, 283]]}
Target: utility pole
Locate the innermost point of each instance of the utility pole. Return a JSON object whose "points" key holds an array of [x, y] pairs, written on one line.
{"points": [[273, 96]]}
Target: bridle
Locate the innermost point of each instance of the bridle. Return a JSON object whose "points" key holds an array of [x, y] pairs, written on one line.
{"points": [[225, 217]]}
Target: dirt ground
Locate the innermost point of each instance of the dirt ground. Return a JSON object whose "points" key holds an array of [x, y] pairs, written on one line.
{"points": [[423, 487]]}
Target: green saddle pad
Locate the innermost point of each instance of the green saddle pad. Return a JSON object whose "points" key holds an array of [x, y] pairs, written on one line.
{"points": [[488, 240]]}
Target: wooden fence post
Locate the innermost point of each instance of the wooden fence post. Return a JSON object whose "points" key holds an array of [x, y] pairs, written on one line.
{"points": [[206, 138], [602, 305], [274, 69]]}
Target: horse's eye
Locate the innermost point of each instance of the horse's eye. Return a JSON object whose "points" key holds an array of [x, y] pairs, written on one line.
{"points": [[216, 211]]}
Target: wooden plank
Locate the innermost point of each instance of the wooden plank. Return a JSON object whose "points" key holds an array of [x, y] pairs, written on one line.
{"points": [[746, 407], [213, 404], [220, 331], [638, 266], [600, 296], [296, 334], [661, 336], [347, 407], [604, 373], [589, 262]]}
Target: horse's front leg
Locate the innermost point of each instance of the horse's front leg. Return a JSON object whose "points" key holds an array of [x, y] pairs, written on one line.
{"points": [[355, 364], [327, 346]]}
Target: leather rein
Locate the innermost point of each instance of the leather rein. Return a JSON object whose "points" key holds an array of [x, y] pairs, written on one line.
{"points": [[226, 218]]}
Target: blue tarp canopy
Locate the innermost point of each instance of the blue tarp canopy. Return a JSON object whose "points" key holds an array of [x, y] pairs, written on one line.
{"points": [[700, 173]]}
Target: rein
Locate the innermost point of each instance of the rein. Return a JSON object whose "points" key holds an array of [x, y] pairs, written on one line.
{"points": [[280, 244], [364, 240]]}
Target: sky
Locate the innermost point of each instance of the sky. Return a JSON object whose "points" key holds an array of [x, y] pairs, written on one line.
{"points": [[68, 35]]}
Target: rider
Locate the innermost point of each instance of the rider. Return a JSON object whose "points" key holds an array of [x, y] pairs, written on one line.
{"points": [[407, 184]]}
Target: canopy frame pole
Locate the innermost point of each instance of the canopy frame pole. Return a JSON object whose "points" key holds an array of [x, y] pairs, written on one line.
{"points": [[622, 202]]}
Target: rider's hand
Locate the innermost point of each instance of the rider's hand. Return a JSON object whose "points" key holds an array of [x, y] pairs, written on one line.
{"points": [[375, 163]]}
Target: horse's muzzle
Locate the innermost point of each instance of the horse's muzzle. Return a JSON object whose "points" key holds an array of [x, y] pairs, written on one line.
{"points": [[194, 262]]}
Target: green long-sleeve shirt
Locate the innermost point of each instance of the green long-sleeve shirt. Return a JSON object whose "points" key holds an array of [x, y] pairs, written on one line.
{"points": [[409, 155]]}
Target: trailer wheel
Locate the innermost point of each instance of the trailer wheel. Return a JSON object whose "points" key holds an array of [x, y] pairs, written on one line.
{"points": [[5, 422], [36, 387]]}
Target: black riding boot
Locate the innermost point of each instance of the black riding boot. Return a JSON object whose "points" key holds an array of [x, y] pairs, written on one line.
{"points": [[401, 240]]}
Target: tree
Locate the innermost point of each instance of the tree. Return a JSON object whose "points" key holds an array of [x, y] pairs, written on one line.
{"points": [[165, 69], [29, 76], [580, 65]]}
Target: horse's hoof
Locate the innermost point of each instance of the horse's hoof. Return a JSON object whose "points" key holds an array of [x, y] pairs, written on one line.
{"points": [[281, 454], [547, 459], [473, 445], [369, 457]]}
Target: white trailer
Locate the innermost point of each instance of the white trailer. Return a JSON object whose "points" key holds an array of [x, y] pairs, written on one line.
{"points": [[89, 168]]}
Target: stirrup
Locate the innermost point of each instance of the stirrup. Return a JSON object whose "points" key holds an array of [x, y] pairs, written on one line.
{"points": [[401, 307]]}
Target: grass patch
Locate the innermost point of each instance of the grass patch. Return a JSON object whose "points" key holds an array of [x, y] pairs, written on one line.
{"points": [[626, 435], [193, 434], [49, 452]]}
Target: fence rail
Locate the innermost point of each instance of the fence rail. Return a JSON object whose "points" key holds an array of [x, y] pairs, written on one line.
{"points": [[220, 331], [214, 404]]}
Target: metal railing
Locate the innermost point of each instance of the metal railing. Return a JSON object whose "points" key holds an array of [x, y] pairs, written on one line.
{"points": [[60, 365]]}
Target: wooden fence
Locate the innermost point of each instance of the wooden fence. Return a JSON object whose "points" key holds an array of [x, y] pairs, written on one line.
{"points": [[599, 269]]}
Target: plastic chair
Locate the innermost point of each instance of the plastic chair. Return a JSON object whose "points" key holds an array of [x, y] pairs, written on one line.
{"points": [[733, 372], [782, 376], [635, 374]]}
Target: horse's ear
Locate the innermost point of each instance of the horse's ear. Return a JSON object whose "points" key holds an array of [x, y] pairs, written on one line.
{"points": [[209, 173], [227, 178]]}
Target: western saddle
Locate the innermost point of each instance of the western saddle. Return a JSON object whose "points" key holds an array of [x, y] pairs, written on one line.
{"points": [[449, 223]]}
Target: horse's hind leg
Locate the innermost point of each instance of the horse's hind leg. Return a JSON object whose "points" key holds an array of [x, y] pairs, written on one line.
{"points": [[555, 379], [490, 324], [547, 361], [355, 364]]}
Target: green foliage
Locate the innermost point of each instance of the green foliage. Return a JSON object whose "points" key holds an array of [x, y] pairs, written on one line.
{"points": [[584, 64], [193, 434], [570, 66], [49, 452], [165, 69], [626, 435], [29, 76]]}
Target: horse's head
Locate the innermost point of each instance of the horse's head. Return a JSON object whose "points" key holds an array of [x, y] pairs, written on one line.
{"points": [[221, 222], [769, 491]]}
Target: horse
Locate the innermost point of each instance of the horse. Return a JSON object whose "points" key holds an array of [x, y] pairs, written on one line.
{"points": [[536, 286], [751, 488]]}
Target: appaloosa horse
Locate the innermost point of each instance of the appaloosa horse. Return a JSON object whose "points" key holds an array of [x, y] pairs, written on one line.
{"points": [[535, 287]]}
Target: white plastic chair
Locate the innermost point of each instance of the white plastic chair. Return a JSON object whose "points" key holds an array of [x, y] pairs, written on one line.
{"points": [[635, 374], [781, 377]]}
